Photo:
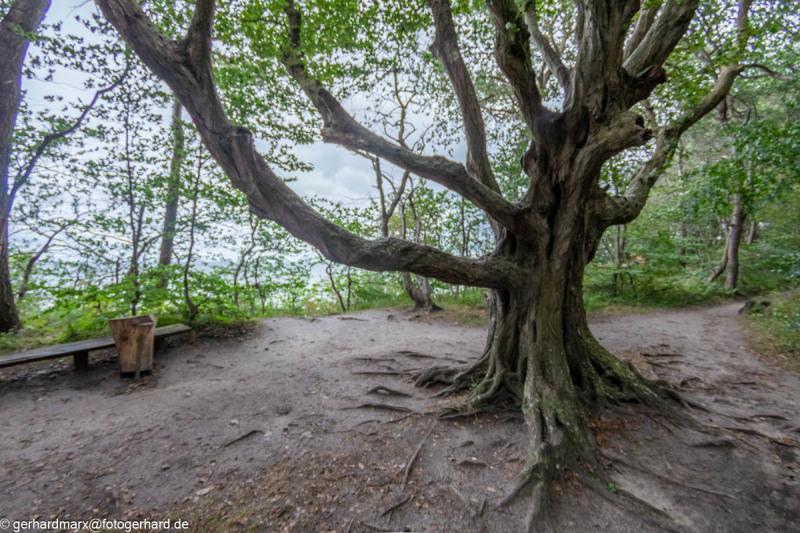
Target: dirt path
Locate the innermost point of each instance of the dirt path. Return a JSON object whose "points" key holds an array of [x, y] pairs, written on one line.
{"points": [[315, 453]]}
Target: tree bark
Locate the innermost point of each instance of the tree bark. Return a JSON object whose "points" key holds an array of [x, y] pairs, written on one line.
{"points": [[752, 234], [9, 317], [734, 240], [419, 292], [173, 187], [25, 15], [724, 263]]}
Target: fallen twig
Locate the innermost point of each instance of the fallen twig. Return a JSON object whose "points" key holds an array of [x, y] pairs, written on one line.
{"points": [[377, 528], [467, 462], [481, 508], [383, 373], [246, 435], [384, 406], [386, 391], [395, 505], [415, 354], [414, 456]]}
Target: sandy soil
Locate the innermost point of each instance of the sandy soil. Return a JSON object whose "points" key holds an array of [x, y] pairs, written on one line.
{"points": [[281, 430]]}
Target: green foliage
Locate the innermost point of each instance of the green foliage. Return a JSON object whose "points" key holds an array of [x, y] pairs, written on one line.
{"points": [[779, 325]]}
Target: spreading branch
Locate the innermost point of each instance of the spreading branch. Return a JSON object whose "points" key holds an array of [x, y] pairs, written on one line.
{"points": [[342, 129], [512, 52], [445, 48], [268, 196], [550, 54], [621, 209], [647, 15], [662, 36]]}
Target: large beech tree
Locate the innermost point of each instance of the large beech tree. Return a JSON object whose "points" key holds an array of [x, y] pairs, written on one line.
{"points": [[540, 350]]}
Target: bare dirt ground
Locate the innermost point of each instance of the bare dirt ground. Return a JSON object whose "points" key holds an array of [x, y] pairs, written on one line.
{"points": [[288, 429]]}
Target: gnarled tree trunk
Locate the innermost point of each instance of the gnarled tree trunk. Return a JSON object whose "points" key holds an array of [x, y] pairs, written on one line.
{"points": [[540, 351]]}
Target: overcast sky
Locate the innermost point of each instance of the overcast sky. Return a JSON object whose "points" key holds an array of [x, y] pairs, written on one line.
{"points": [[338, 174]]}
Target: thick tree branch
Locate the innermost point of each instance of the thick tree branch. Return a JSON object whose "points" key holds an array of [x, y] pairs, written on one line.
{"points": [[598, 72], [513, 55], [268, 196], [198, 38], [445, 48], [342, 129], [550, 55], [647, 15], [611, 210], [662, 36]]}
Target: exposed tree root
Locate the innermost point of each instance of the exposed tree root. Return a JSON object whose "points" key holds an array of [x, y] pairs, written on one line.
{"points": [[768, 438], [382, 406], [618, 459], [556, 380], [416, 355], [383, 372], [754, 418], [457, 378], [626, 501], [386, 391]]}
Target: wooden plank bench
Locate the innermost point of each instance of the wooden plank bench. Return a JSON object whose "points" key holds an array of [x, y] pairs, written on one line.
{"points": [[79, 350]]}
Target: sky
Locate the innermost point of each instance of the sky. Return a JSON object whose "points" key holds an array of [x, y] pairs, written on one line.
{"points": [[338, 175]]}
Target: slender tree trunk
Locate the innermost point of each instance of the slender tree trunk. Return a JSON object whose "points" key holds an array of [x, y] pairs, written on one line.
{"points": [[724, 263], [418, 288], [192, 307], [419, 292], [173, 189], [682, 235], [25, 15], [336, 291], [9, 317], [735, 239], [26, 277], [752, 234]]}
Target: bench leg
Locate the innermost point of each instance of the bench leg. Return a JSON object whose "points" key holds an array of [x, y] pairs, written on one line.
{"points": [[81, 360]]}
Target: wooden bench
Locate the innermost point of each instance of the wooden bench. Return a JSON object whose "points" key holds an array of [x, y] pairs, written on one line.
{"points": [[79, 350]]}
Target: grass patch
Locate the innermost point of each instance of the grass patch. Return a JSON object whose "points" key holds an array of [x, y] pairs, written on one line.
{"points": [[775, 329]]}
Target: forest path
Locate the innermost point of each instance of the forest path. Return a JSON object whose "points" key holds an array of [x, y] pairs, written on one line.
{"points": [[288, 429]]}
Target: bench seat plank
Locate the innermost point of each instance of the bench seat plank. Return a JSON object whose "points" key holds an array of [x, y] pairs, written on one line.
{"points": [[72, 348]]}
